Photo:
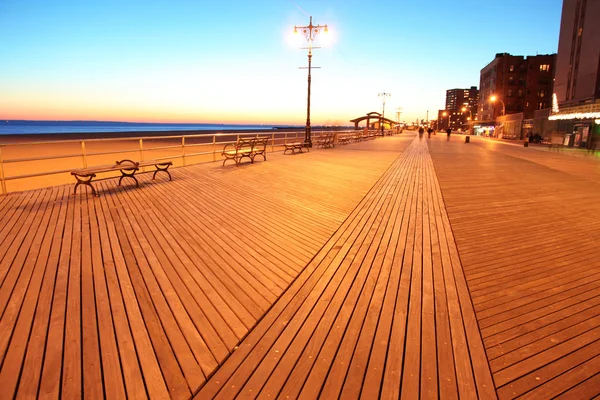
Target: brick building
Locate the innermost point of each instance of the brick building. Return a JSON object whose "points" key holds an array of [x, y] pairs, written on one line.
{"points": [[456, 100], [522, 85]]}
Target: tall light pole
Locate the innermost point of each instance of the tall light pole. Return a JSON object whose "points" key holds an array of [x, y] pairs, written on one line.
{"points": [[470, 115], [383, 95], [493, 98], [448, 114], [310, 32], [398, 113]]}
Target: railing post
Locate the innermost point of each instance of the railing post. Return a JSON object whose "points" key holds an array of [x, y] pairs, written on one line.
{"points": [[2, 173], [214, 147], [83, 155], [273, 142], [142, 153], [183, 150]]}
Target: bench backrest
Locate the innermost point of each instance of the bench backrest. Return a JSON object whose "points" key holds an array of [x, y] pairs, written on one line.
{"points": [[260, 144], [244, 144]]}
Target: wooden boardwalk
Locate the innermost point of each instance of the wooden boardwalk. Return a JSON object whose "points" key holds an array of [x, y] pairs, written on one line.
{"points": [[394, 267]]}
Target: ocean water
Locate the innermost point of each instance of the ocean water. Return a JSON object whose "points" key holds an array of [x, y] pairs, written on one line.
{"points": [[14, 127]]}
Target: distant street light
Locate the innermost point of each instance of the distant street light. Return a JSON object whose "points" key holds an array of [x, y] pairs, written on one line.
{"points": [[310, 32], [383, 95], [493, 98], [448, 114], [464, 109]]}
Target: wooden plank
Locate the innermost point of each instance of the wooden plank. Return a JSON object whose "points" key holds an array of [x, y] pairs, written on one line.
{"points": [[371, 350], [127, 312], [543, 344], [223, 268], [200, 336], [429, 367], [22, 270], [376, 366], [91, 363], [447, 379], [349, 277], [112, 373], [288, 304], [587, 389], [159, 321], [215, 302], [411, 374], [71, 382], [552, 375], [25, 296], [29, 380], [392, 376], [11, 250], [556, 273], [336, 361], [50, 384], [547, 330]]}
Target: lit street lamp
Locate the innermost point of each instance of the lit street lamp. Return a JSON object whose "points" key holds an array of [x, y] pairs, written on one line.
{"points": [[493, 98], [464, 109], [310, 32], [448, 114], [383, 95]]}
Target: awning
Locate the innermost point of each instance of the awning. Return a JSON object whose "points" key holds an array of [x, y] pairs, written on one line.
{"points": [[588, 111]]}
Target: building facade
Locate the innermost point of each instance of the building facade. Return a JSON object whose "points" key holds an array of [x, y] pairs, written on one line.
{"points": [[577, 76], [521, 85], [461, 105]]}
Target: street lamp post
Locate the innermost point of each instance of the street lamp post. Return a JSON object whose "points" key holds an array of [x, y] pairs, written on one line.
{"points": [[448, 114], [470, 116], [493, 98], [310, 32], [383, 95]]}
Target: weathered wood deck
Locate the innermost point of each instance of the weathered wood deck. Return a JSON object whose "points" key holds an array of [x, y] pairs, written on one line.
{"points": [[382, 268]]}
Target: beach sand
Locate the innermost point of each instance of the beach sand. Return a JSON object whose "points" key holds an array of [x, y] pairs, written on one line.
{"points": [[64, 152]]}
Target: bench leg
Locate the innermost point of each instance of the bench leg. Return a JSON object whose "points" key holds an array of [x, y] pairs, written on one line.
{"points": [[163, 168], [85, 180], [124, 174]]}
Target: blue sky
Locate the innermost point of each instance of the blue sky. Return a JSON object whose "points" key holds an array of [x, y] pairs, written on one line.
{"points": [[229, 61]]}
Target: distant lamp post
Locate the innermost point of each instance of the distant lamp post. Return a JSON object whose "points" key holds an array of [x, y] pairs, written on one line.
{"points": [[448, 114], [310, 32], [470, 117], [493, 99], [383, 95]]}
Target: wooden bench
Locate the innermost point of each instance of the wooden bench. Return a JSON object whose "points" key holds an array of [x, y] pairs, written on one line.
{"points": [[245, 147], [295, 146], [325, 140], [128, 168]]}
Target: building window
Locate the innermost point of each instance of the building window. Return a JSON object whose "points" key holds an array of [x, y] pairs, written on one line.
{"points": [[511, 68], [540, 105], [542, 93], [545, 67], [520, 93], [510, 92]]}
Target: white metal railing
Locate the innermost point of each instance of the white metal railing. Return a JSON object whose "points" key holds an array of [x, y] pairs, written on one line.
{"points": [[204, 146]]}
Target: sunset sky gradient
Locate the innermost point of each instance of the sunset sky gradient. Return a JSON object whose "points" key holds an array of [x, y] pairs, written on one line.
{"points": [[231, 61]]}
